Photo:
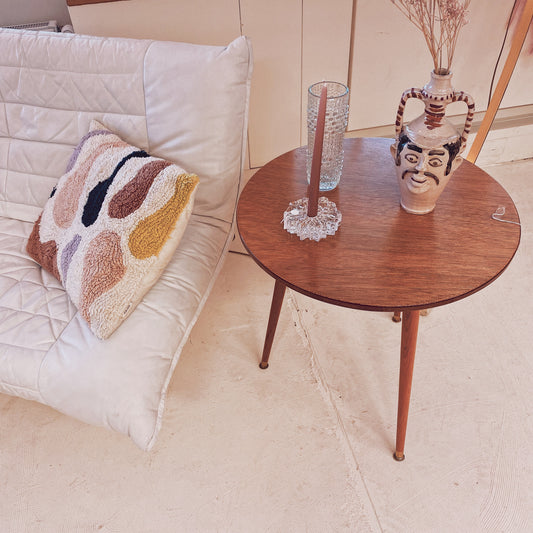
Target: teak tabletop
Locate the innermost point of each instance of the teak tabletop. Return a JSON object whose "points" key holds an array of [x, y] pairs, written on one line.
{"points": [[381, 257]]}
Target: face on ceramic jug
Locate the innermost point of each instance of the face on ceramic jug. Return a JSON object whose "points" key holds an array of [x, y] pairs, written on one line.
{"points": [[424, 172]]}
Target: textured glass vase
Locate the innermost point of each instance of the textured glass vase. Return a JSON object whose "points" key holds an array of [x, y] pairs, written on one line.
{"points": [[334, 128]]}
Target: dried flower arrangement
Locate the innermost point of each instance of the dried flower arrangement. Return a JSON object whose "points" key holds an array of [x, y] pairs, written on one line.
{"points": [[440, 22]]}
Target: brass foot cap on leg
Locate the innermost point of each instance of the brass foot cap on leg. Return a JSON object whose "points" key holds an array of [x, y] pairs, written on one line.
{"points": [[399, 456], [262, 365]]}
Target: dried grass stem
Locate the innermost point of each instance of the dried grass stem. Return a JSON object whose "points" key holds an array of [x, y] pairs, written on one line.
{"points": [[440, 22]]}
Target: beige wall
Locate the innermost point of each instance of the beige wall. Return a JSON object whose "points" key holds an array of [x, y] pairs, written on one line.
{"points": [[298, 42], [26, 11]]}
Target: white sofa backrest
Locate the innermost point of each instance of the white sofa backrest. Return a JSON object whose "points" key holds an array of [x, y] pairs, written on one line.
{"points": [[151, 93], [186, 103]]}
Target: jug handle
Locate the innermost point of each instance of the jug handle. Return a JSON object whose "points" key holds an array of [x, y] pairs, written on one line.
{"points": [[409, 93], [460, 96]]}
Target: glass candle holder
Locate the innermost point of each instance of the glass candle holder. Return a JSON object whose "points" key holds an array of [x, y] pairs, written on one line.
{"points": [[335, 126]]}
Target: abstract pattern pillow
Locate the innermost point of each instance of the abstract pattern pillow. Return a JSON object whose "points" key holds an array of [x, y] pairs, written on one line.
{"points": [[111, 226]]}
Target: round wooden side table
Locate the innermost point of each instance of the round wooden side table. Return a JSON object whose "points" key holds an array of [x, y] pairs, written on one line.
{"points": [[381, 258]]}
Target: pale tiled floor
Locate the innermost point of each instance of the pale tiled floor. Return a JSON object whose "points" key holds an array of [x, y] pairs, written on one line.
{"points": [[306, 445]]}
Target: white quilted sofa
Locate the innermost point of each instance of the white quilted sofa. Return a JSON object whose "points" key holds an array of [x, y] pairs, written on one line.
{"points": [[185, 103]]}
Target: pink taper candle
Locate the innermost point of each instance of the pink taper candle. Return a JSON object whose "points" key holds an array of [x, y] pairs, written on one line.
{"points": [[314, 182]]}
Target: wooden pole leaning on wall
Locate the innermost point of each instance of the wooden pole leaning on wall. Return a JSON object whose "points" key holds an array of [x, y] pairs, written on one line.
{"points": [[516, 46]]}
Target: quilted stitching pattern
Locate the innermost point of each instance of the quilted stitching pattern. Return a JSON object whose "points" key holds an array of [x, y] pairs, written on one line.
{"points": [[61, 101], [34, 310]]}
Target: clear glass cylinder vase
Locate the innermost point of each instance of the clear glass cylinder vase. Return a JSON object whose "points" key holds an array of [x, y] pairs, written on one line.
{"points": [[334, 128]]}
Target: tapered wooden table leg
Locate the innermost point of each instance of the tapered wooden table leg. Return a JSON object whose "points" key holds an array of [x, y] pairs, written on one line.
{"points": [[275, 308], [407, 360]]}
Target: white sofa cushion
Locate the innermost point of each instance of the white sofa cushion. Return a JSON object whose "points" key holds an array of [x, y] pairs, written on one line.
{"points": [[48, 353], [181, 102]]}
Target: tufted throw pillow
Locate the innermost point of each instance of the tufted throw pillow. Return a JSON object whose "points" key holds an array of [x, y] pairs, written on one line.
{"points": [[111, 226]]}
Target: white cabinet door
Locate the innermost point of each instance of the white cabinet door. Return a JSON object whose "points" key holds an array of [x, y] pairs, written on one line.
{"points": [[296, 43], [275, 28], [326, 34]]}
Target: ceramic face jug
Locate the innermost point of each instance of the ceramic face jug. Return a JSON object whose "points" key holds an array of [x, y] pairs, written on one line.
{"points": [[427, 150]]}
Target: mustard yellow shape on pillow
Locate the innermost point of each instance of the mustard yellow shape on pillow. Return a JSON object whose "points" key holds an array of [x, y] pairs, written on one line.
{"points": [[150, 235]]}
